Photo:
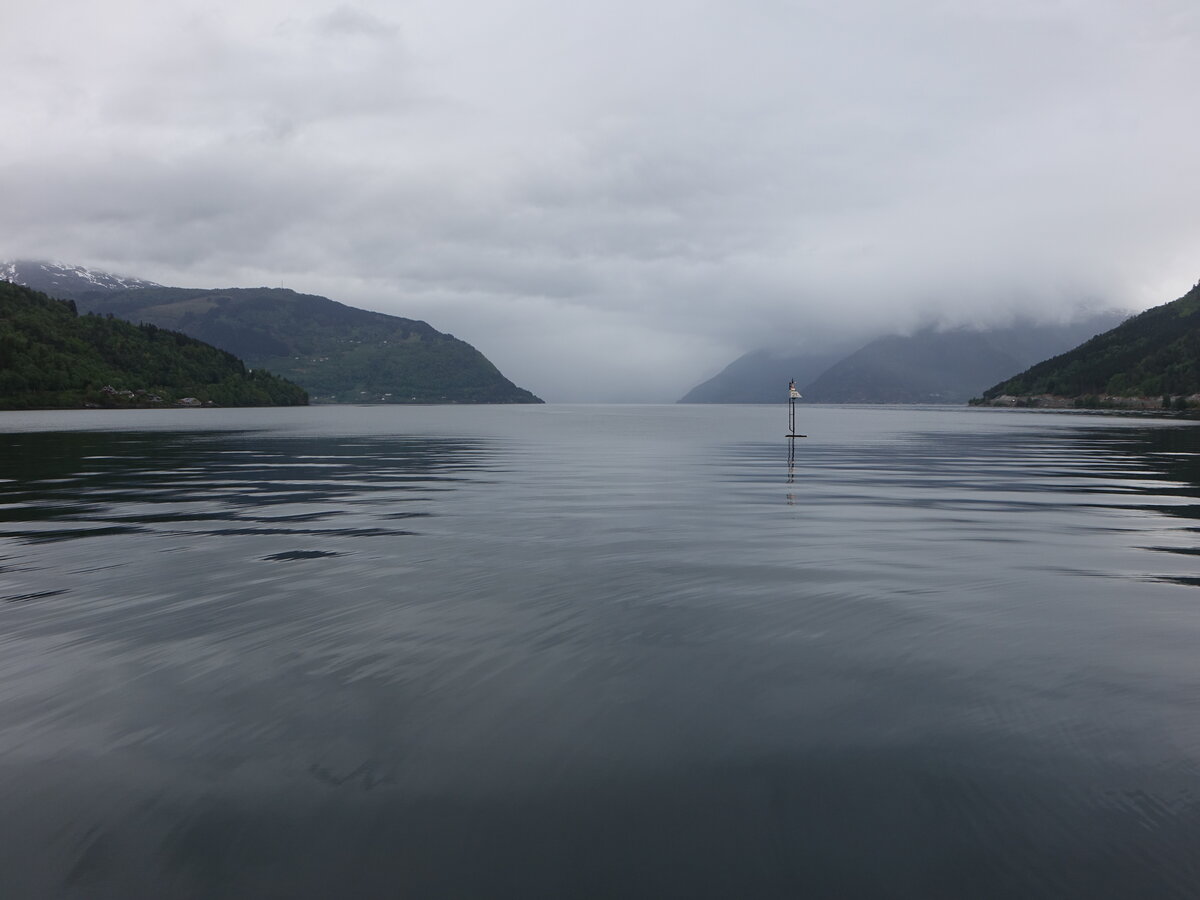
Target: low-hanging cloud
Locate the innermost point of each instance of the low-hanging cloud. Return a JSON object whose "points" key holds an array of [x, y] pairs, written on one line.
{"points": [[614, 200]]}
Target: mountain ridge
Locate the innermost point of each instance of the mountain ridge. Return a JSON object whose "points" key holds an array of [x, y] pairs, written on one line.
{"points": [[930, 365], [48, 276], [337, 352], [755, 377], [53, 357], [1155, 354]]}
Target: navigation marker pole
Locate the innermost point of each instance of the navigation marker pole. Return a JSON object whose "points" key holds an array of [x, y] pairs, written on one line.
{"points": [[793, 396]]}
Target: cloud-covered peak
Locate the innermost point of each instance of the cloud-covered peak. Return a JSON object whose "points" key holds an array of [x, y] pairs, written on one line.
{"points": [[617, 199]]}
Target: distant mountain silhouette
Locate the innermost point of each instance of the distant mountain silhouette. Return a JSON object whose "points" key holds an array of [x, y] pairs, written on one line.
{"points": [[945, 366], [762, 376], [930, 366], [336, 352]]}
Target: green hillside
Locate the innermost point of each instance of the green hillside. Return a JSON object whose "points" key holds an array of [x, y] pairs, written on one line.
{"points": [[52, 357], [336, 352], [1154, 354]]}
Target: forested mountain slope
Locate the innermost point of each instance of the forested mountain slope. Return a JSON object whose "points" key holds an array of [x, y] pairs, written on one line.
{"points": [[1154, 354], [50, 357], [336, 352]]}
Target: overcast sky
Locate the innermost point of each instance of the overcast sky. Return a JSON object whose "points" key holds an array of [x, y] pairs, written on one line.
{"points": [[612, 200]]}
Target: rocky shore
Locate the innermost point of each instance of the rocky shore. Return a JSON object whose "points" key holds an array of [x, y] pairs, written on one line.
{"points": [[1092, 401]]}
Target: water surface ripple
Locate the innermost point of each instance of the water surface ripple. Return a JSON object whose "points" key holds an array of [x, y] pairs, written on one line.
{"points": [[598, 652]]}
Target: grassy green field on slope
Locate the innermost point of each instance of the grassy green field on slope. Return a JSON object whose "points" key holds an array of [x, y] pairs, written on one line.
{"points": [[51, 357], [1153, 354], [336, 352]]}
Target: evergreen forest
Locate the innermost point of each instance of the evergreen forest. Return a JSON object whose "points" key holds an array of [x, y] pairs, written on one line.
{"points": [[1155, 354], [53, 357]]}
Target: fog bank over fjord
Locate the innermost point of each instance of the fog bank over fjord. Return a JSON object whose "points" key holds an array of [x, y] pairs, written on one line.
{"points": [[615, 202]]}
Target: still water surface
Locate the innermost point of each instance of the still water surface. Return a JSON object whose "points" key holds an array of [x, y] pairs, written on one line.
{"points": [[598, 652]]}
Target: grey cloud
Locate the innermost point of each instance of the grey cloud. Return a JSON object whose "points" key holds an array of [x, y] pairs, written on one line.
{"points": [[349, 20], [633, 193]]}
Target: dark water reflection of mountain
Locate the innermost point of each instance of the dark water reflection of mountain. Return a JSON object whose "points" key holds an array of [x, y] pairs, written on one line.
{"points": [[599, 652]]}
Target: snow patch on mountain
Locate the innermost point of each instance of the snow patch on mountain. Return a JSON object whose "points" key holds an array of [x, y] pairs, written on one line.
{"points": [[59, 277]]}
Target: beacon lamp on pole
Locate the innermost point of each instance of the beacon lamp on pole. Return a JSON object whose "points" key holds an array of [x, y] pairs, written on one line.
{"points": [[793, 396]]}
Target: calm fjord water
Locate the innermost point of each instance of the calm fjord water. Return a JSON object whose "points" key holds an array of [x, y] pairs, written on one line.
{"points": [[598, 652]]}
